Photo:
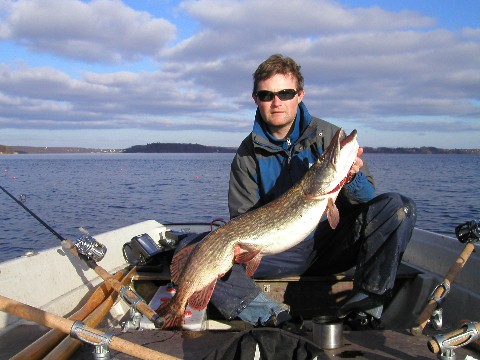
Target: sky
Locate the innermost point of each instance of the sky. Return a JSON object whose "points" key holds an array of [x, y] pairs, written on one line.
{"points": [[113, 74]]}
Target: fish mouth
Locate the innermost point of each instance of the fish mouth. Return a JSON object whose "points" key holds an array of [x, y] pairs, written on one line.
{"points": [[331, 171], [342, 141]]}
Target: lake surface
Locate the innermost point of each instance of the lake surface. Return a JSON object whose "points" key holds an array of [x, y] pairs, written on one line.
{"points": [[104, 191]]}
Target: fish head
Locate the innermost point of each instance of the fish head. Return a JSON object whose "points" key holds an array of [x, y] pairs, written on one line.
{"points": [[329, 173]]}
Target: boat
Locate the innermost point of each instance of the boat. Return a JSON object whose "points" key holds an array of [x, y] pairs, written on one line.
{"points": [[57, 284]]}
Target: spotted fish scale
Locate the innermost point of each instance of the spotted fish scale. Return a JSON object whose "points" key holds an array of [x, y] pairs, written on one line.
{"points": [[270, 229]]}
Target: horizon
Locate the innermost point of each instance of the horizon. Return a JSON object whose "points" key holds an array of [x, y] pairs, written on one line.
{"points": [[226, 147], [111, 73]]}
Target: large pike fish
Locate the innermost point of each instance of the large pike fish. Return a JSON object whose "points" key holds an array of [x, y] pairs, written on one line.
{"points": [[270, 229]]}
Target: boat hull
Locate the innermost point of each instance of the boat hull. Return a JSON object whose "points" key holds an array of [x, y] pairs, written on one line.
{"points": [[54, 279], [58, 282]]}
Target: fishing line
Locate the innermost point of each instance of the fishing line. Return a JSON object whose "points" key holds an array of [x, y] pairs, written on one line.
{"points": [[86, 245], [94, 252], [48, 227]]}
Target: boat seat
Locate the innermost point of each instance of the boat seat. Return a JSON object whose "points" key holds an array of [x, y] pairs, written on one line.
{"points": [[307, 295]]}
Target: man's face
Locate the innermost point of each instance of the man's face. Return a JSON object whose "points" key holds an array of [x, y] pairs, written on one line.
{"points": [[279, 115]]}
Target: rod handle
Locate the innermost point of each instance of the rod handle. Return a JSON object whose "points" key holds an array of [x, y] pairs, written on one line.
{"points": [[467, 333], [432, 304]]}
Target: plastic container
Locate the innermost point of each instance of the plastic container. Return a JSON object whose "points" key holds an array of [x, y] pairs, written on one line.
{"points": [[194, 319]]}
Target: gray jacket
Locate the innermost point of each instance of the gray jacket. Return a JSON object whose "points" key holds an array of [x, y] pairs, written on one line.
{"points": [[263, 170]]}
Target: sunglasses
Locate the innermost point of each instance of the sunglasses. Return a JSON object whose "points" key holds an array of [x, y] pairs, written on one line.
{"points": [[285, 94]]}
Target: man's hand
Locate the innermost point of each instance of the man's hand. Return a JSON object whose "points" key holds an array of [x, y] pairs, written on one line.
{"points": [[357, 164]]}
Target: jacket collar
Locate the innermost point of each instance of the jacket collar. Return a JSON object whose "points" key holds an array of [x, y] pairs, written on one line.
{"points": [[261, 134]]}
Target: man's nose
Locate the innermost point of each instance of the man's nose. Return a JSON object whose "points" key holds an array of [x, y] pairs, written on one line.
{"points": [[276, 100]]}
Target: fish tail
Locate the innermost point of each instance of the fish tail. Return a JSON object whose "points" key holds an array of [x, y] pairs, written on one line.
{"points": [[164, 307], [172, 320]]}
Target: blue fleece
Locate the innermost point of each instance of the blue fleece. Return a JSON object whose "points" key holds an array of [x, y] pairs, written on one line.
{"points": [[273, 170], [360, 188]]}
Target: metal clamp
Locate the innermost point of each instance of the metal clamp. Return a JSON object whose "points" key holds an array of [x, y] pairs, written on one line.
{"points": [[133, 324], [449, 354], [439, 299], [132, 302], [436, 320], [134, 313], [100, 341], [469, 334]]}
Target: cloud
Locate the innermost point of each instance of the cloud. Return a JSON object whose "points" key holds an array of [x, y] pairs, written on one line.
{"points": [[357, 62], [387, 70], [425, 124], [299, 18], [44, 95], [101, 30]]}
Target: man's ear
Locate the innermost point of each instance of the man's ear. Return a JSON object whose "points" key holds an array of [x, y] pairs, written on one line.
{"points": [[300, 95]]}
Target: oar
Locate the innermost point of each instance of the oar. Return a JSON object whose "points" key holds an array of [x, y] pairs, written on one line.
{"points": [[44, 344], [440, 291], [127, 294], [56, 322], [69, 345]]}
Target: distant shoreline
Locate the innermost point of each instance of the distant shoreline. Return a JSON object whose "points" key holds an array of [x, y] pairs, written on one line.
{"points": [[196, 148]]}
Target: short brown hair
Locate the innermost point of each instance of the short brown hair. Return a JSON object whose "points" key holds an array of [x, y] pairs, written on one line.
{"points": [[277, 64]]}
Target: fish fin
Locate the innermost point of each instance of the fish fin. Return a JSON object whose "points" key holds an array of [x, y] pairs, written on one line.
{"points": [[174, 322], [164, 307], [245, 256], [200, 299], [333, 215], [170, 319], [237, 251], [248, 256], [253, 264], [179, 261]]}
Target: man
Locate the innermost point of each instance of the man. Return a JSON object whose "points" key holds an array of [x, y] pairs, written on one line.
{"points": [[373, 231]]}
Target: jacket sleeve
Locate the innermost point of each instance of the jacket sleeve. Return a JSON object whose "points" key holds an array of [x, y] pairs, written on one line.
{"points": [[361, 189], [243, 192]]}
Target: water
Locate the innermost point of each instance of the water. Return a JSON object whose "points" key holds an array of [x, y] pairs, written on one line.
{"points": [[104, 191], [444, 187]]}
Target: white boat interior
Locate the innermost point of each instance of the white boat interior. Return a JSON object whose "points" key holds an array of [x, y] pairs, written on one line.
{"points": [[58, 282]]}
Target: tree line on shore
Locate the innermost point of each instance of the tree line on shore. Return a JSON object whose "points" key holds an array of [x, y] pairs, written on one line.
{"points": [[197, 148]]}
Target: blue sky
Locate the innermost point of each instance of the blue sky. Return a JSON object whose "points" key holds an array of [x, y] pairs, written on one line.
{"points": [[112, 74]]}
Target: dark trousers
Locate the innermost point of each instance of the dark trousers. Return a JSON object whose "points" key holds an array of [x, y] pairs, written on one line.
{"points": [[371, 237]]}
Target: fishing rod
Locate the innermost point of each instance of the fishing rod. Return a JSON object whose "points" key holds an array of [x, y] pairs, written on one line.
{"points": [[48, 227], [467, 233], [91, 251], [86, 245]]}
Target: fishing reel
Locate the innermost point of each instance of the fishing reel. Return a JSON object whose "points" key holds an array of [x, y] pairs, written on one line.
{"points": [[89, 247], [468, 232], [143, 250]]}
